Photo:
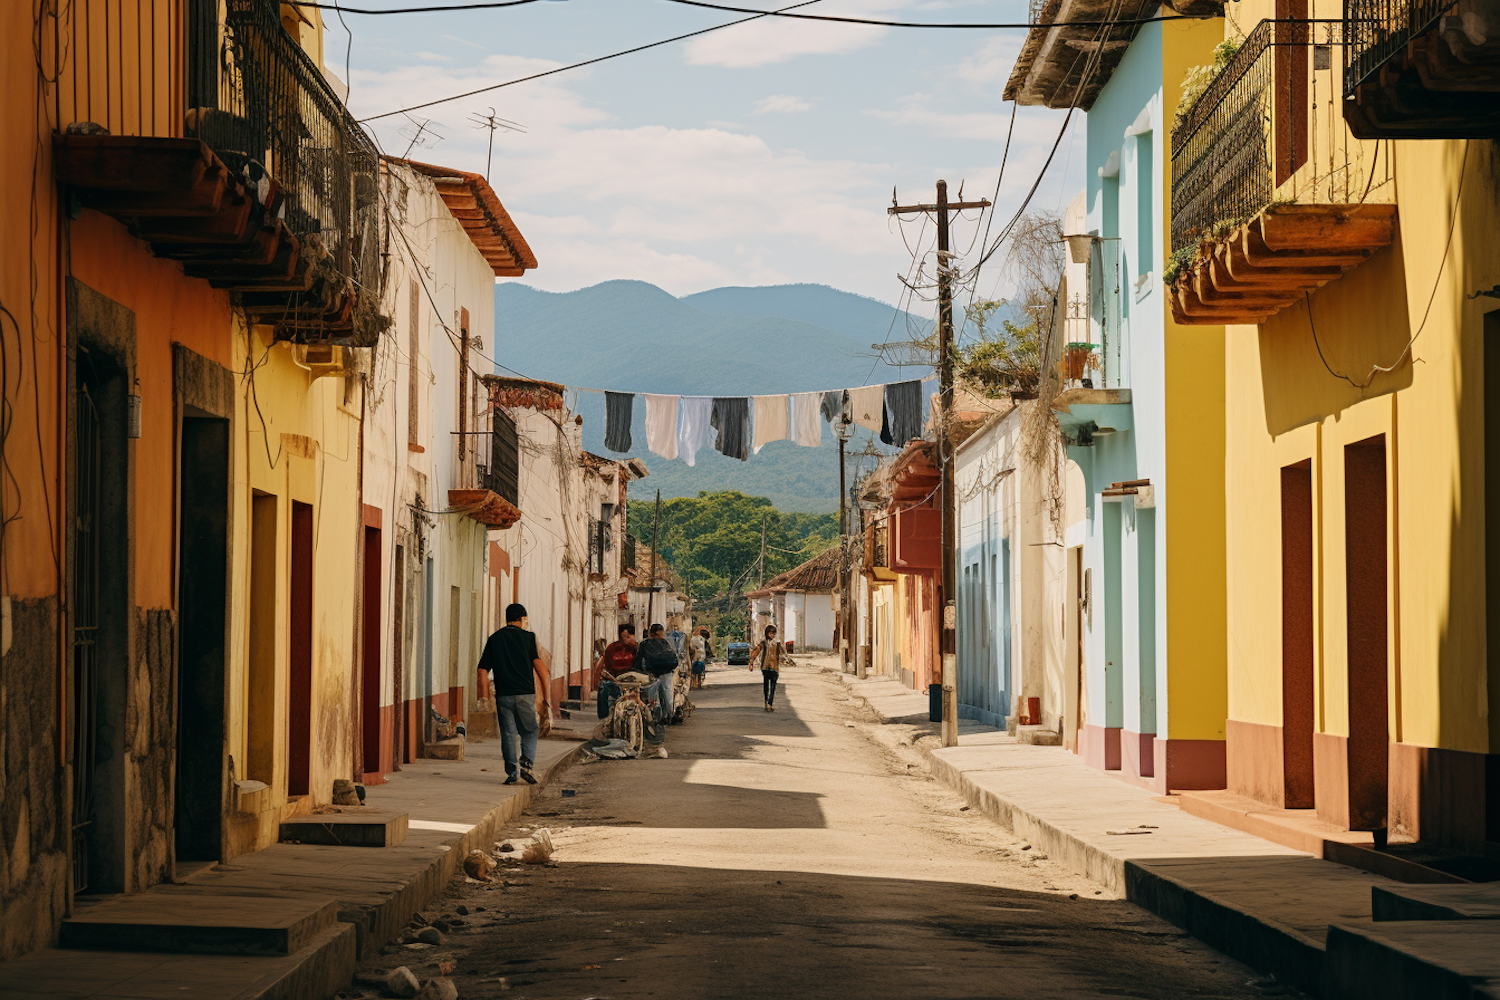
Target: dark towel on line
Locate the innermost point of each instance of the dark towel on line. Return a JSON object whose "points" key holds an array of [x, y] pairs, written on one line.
{"points": [[731, 416], [833, 404], [903, 412], [617, 407]]}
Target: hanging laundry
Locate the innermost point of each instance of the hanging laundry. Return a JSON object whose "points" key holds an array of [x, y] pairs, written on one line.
{"points": [[903, 405], [807, 429], [833, 404], [885, 425], [866, 403], [661, 425], [770, 421], [731, 417], [617, 411], [696, 411]]}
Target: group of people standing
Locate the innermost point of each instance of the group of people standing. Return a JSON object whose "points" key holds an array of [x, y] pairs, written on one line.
{"points": [[520, 681]]}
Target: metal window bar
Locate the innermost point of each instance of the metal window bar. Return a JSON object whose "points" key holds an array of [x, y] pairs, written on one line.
{"points": [[1376, 30], [262, 105], [87, 472], [1221, 148], [1104, 308]]}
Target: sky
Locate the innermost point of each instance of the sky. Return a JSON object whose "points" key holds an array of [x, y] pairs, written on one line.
{"points": [[765, 153]]}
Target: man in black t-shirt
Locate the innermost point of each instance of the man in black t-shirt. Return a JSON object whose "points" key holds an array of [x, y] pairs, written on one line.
{"points": [[516, 673]]}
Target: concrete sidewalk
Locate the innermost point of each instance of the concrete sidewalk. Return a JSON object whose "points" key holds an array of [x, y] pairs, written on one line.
{"points": [[452, 807], [1306, 921]]}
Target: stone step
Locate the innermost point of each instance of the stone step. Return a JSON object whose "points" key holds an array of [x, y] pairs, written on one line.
{"points": [[357, 828], [1039, 736], [1436, 902], [1413, 960], [166, 920], [452, 749]]}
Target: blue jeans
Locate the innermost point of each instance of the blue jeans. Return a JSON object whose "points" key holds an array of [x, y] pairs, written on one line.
{"points": [[661, 690], [517, 714]]}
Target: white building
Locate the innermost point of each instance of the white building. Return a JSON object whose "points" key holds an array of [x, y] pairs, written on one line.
{"points": [[800, 602], [424, 542]]}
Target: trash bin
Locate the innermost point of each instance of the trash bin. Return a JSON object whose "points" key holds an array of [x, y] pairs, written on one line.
{"points": [[934, 703], [789, 645]]}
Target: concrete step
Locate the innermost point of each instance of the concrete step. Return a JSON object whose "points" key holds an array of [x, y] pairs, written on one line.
{"points": [[444, 749], [1437, 902], [1413, 960], [166, 920], [347, 829], [1038, 736]]}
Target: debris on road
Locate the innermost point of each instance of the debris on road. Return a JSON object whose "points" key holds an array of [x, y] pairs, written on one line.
{"points": [[401, 983], [478, 865], [539, 851]]}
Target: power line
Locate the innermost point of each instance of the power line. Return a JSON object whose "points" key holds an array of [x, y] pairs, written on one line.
{"points": [[491, 4], [588, 62], [1021, 25]]}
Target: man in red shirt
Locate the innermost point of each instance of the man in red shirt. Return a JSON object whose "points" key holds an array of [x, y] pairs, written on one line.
{"points": [[618, 657]]}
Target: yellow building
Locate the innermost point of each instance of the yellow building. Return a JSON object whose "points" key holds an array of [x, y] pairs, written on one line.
{"points": [[1355, 278]]}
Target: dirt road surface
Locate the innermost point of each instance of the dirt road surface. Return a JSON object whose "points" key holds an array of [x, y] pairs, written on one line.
{"points": [[790, 854]]}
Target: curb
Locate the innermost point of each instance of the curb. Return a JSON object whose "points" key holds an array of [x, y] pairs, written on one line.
{"points": [[1291, 957]]}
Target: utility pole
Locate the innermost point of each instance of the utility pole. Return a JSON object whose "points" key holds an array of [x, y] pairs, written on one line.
{"points": [[846, 646], [948, 590], [651, 595], [762, 582]]}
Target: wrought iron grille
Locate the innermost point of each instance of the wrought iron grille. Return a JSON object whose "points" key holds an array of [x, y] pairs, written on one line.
{"points": [[263, 106], [627, 555], [1375, 30], [1221, 148], [87, 474]]}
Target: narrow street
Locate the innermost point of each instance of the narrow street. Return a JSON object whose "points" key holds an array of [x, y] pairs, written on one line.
{"points": [[789, 854]]}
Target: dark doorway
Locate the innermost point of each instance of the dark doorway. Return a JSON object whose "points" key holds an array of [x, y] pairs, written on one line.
{"points": [[400, 644], [1297, 636], [1365, 570], [299, 659], [1492, 565], [203, 503], [369, 693], [100, 570]]}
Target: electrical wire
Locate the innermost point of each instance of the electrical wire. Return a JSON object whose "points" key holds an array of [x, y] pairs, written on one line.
{"points": [[587, 62], [1437, 281], [487, 5], [1019, 25]]}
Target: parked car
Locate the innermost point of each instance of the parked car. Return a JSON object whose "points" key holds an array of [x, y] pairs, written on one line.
{"points": [[738, 652]]}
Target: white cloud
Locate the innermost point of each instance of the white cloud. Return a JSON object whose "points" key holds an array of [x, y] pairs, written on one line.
{"points": [[683, 208], [781, 104], [771, 40], [990, 64]]}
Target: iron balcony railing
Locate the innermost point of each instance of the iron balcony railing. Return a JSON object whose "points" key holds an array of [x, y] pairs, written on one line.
{"points": [[1222, 146], [1376, 30], [264, 107]]}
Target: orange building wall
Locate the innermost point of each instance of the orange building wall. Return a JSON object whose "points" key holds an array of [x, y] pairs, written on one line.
{"points": [[169, 308]]}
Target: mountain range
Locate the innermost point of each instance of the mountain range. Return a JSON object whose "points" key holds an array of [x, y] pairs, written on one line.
{"points": [[632, 336]]}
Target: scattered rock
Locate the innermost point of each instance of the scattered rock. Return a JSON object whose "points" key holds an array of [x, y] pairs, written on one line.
{"points": [[1025, 847], [848, 724], [438, 989], [1072, 895], [446, 968], [1039, 857], [503, 846], [1098, 892], [419, 919], [963, 808], [478, 865], [401, 983], [439, 925], [430, 935], [462, 910], [417, 946]]}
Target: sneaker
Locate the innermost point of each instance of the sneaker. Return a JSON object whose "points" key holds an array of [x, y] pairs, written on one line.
{"points": [[526, 772], [511, 780], [768, 706]]}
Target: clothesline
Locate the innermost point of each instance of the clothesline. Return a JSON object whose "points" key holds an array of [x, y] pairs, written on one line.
{"points": [[924, 378], [680, 425]]}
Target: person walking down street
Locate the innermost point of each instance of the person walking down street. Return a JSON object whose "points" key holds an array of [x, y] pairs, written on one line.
{"points": [[618, 658], [517, 677], [698, 654], [656, 657], [769, 654]]}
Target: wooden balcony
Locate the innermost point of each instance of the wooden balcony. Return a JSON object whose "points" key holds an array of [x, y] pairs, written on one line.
{"points": [[1273, 260], [1422, 69], [485, 506]]}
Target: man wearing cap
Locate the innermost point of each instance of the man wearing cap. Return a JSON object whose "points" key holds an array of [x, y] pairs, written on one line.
{"points": [[517, 675]]}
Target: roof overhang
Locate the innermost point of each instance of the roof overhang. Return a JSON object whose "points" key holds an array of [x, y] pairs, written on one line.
{"points": [[476, 207], [1055, 68]]}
